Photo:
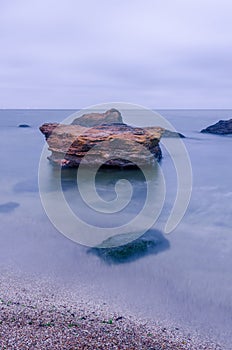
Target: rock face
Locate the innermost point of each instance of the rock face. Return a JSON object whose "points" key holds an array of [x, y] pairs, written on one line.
{"points": [[223, 127], [111, 116], [111, 142], [70, 143]]}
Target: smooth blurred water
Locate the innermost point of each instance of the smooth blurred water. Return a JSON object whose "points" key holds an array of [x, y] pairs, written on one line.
{"points": [[183, 278]]}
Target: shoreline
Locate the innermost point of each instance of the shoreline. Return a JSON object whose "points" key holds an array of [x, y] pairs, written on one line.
{"points": [[37, 315]]}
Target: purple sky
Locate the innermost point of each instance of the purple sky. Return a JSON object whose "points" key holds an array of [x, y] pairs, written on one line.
{"points": [[72, 53]]}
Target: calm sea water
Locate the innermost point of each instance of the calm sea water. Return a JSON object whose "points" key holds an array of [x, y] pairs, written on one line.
{"points": [[184, 278]]}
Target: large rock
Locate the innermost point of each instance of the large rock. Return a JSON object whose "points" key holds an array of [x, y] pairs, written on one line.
{"points": [[111, 116], [223, 127], [70, 143]]}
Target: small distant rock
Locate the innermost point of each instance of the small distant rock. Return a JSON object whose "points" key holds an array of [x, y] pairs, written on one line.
{"points": [[112, 116], [223, 127], [24, 126]]}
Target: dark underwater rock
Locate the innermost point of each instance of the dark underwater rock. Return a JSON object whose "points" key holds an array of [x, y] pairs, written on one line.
{"points": [[8, 207], [152, 242]]}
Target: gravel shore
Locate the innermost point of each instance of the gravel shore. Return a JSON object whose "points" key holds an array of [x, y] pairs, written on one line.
{"points": [[35, 315]]}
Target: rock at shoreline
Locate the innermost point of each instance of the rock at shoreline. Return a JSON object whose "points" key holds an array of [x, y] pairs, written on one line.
{"points": [[70, 143], [112, 116], [223, 127]]}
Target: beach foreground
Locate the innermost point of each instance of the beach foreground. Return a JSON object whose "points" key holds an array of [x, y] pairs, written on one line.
{"points": [[35, 315]]}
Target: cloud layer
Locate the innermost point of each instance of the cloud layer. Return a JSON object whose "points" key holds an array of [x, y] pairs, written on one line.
{"points": [[71, 54]]}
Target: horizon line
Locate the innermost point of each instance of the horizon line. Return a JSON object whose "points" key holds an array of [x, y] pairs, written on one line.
{"points": [[66, 109]]}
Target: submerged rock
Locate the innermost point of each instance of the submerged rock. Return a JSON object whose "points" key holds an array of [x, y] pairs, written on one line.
{"points": [[223, 127], [152, 242], [70, 143], [8, 207], [111, 116]]}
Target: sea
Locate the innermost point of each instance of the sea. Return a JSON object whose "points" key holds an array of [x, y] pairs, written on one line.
{"points": [[182, 278]]}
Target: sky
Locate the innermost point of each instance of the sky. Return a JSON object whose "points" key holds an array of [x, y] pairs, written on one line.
{"points": [[156, 53]]}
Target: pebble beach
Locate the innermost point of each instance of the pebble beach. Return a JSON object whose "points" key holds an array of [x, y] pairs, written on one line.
{"points": [[37, 315]]}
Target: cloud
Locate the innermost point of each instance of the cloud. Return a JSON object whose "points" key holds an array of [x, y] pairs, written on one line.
{"points": [[74, 53]]}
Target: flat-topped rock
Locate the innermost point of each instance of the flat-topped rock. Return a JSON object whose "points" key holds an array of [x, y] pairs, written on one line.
{"points": [[223, 127], [70, 143], [93, 119]]}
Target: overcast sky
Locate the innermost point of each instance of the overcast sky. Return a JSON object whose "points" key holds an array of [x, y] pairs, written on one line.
{"points": [[158, 53]]}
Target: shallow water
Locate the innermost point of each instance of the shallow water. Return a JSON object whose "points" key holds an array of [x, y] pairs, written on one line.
{"points": [[183, 278]]}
